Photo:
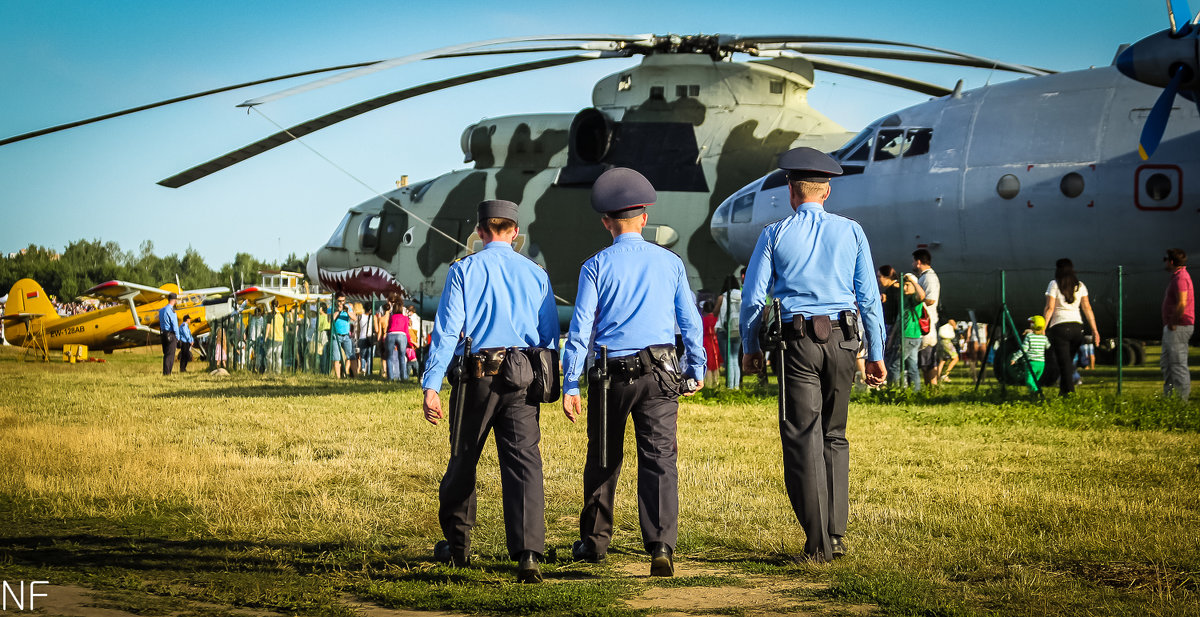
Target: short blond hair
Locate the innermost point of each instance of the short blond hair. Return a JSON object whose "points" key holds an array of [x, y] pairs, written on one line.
{"points": [[806, 188]]}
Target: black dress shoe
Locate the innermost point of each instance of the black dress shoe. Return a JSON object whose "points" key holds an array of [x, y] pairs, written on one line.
{"points": [[660, 560], [443, 554], [838, 547], [527, 568], [581, 552]]}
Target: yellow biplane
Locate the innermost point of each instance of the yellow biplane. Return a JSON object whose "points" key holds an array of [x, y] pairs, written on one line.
{"points": [[31, 321]]}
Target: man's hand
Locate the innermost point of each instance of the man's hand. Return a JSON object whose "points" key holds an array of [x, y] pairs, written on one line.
{"points": [[572, 406], [699, 387], [432, 406], [876, 373], [753, 363]]}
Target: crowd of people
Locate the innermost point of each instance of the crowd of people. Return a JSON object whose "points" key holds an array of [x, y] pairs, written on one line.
{"points": [[339, 338]]}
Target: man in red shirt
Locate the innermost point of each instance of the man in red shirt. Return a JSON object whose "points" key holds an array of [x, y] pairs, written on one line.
{"points": [[1179, 318]]}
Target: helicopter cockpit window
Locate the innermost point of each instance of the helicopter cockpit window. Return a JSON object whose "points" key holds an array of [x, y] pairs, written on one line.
{"points": [[889, 144], [916, 142], [338, 239], [369, 233], [743, 209]]}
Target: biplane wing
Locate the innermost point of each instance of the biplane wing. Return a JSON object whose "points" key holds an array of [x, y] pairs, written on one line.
{"points": [[133, 336], [122, 291], [284, 298]]}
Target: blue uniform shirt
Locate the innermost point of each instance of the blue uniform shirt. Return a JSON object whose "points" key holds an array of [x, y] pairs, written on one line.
{"points": [[499, 298], [632, 295], [185, 333], [815, 263], [167, 321]]}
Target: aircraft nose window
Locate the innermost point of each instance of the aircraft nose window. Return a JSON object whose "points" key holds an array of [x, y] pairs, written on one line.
{"points": [[1008, 186], [1158, 187], [743, 209], [369, 234], [338, 239], [1071, 185]]}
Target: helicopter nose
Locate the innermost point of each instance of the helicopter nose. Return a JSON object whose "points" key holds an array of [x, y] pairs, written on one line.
{"points": [[311, 269], [719, 225]]}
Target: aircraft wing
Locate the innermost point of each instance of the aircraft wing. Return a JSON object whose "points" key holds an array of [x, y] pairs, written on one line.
{"points": [[283, 297], [133, 336], [207, 291], [117, 291], [20, 317]]}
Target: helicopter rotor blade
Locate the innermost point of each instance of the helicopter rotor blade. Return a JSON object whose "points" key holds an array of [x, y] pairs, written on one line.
{"points": [[1156, 123], [737, 42], [394, 62], [894, 54], [316, 124], [178, 99], [875, 75]]}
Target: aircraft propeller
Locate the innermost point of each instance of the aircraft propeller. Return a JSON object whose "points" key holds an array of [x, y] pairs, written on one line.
{"points": [[1169, 59]]}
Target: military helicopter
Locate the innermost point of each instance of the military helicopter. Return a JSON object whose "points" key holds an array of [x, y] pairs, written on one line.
{"points": [[697, 123], [1015, 175]]}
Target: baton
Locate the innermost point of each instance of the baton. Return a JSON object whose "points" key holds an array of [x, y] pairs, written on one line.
{"points": [[604, 382], [459, 396]]}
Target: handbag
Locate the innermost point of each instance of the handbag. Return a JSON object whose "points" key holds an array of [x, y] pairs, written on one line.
{"points": [[923, 320]]}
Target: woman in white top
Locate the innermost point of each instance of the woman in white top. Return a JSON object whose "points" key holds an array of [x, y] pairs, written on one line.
{"points": [[1066, 305]]}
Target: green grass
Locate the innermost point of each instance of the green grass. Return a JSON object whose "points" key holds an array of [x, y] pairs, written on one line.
{"points": [[214, 496]]}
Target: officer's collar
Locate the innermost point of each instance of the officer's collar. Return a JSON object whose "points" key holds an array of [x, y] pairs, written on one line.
{"points": [[810, 205], [629, 236], [498, 244]]}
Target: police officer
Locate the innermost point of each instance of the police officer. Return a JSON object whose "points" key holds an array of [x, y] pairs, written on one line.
{"points": [[168, 326], [632, 294], [501, 300], [819, 266]]}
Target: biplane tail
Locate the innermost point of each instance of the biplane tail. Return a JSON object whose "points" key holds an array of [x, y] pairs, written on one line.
{"points": [[28, 298]]}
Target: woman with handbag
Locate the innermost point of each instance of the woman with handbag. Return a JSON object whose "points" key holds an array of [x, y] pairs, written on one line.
{"points": [[912, 325]]}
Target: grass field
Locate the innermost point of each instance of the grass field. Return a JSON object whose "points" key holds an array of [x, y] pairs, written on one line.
{"points": [[199, 495]]}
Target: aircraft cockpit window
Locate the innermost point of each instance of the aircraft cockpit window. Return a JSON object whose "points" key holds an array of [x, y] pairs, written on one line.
{"points": [[889, 144], [860, 154], [338, 239], [625, 82], [743, 209], [775, 179], [369, 234], [916, 142]]}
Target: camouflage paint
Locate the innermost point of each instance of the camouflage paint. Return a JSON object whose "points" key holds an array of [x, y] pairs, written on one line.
{"points": [[455, 217]]}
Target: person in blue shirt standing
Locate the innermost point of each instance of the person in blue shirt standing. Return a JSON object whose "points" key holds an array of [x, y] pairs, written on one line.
{"points": [[818, 265], [168, 327], [502, 302], [342, 346], [185, 343], [631, 296]]}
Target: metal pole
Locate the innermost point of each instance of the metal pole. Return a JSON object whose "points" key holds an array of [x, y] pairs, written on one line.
{"points": [[1120, 326], [729, 353], [1003, 326], [900, 333]]}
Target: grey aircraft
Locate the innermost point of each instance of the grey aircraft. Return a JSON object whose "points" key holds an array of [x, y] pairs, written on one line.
{"points": [[1014, 176]]}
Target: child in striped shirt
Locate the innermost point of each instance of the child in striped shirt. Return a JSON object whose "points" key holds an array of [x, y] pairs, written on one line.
{"points": [[1033, 346]]}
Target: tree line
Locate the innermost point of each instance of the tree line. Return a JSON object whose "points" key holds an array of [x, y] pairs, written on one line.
{"points": [[85, 264]]}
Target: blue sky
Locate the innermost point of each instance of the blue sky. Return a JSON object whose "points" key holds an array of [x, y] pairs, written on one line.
{"points": [[68, 60]]}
